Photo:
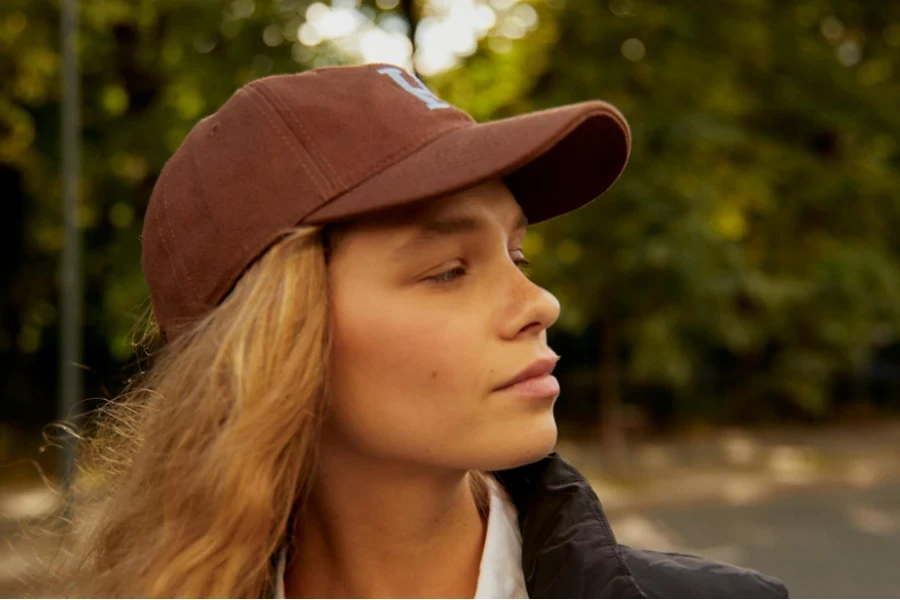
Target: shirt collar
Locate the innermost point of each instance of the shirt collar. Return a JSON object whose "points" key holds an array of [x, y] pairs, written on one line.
{"points": [[500, 574]]}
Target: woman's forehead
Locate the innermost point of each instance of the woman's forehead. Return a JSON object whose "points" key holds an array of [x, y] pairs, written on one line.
{"points": [[486, 209]]}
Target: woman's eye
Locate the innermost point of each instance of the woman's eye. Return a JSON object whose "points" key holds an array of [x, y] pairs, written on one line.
{"points": [[459, 271], [448, 276]]}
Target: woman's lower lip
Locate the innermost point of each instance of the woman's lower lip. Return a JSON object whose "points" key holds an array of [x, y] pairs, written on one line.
{"points": [[536, 387]]}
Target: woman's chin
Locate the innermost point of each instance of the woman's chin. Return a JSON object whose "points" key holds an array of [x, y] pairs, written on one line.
{"points": [[518, 446]]}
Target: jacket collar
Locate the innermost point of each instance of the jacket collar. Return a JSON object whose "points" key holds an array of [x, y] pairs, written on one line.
{"points": [[568, 548]]}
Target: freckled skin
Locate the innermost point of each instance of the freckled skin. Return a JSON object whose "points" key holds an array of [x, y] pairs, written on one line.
{"points": [[415, 362]]}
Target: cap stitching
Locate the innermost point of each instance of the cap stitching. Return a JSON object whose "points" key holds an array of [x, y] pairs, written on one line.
{"points": [[307, 138], [284, 138], [397, 156], [393, 158], [165, 228]]}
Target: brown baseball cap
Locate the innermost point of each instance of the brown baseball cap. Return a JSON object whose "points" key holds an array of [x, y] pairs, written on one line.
{"points": [[334, 143]]}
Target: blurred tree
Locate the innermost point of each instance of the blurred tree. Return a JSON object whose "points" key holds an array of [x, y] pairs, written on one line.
{"points": [[150, 70], [755, 219], [743, 263]]}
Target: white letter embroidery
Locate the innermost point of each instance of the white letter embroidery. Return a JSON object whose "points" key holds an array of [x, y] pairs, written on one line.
{"points": [[419, 91]]}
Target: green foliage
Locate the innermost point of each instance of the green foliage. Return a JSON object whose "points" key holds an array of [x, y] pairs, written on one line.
{"points": [[755, 219], [757, 213], [150, 70]]}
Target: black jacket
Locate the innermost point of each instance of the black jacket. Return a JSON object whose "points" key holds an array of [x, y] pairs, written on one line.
{"points": [[569, 551]]}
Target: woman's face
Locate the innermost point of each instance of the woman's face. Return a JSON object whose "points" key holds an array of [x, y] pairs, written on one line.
{"points": [[431, 313]]}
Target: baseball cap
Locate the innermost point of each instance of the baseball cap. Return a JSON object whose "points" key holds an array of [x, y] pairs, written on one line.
{"points": [[334, 143]]}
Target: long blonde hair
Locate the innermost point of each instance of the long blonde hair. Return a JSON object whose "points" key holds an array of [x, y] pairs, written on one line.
{"points": [[201, 464], [189, 486]]}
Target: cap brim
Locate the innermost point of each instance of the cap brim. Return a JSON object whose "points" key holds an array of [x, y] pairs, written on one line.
{"points": [[553, 161]]}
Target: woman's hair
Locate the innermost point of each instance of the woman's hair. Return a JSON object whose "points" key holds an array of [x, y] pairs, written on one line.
{"points": [[201, 463], [188, 487]]}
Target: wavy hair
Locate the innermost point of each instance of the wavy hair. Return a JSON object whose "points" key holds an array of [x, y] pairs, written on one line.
{"points": [[188, 488]]}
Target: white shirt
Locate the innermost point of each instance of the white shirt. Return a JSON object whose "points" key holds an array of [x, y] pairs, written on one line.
{"points": [[500, 574]]}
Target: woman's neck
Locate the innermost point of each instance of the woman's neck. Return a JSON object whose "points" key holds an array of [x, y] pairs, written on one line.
{"points": [[372, 529]]}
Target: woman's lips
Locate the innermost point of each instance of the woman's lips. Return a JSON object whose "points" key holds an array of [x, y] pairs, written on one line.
{"points": [[542, 386]]}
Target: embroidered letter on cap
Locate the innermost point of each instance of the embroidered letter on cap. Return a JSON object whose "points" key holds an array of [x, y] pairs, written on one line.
{"points": [[419, 91]]}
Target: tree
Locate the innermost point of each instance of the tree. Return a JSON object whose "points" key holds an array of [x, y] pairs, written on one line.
{"points": [[744, 262], [151, 69], [755, 218]]}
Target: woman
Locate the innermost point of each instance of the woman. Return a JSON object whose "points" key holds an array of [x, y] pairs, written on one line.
{"points": [[355, 395]]}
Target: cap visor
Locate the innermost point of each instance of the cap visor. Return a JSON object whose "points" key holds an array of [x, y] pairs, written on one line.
{"points": [[554, 161]]}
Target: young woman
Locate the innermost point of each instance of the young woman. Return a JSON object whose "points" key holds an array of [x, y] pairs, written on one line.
{"points": [[354, 396]]}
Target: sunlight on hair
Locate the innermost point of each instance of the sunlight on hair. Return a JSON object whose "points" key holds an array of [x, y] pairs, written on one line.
{"points": [[188, 486]]}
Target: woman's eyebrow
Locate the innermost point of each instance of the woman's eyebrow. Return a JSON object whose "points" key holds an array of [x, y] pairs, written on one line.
{"points": [[444, 227]]}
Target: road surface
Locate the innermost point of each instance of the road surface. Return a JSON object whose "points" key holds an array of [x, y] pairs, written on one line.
{"points": [[823, 542]]}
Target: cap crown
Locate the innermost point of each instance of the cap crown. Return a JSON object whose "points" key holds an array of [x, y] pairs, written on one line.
{"points": [[277, 150]]}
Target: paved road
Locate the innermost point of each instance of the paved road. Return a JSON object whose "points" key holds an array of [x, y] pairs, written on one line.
{"points": [[825, 542]]}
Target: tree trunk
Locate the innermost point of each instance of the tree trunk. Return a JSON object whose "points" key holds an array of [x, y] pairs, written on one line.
{"points": [[410, 11], [612, 423]]}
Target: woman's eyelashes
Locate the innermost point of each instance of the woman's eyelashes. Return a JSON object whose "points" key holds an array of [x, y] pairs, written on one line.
{"points": [[460, 271]]}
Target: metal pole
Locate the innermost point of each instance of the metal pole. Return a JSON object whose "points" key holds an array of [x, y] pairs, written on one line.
{"points": [[70, 379]]}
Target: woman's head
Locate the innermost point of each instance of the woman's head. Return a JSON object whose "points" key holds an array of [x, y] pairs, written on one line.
{"points": [[430, 313], [313, 302]]}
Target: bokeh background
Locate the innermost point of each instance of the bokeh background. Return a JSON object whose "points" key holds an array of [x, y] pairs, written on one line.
{"points": [[730, 330]]}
